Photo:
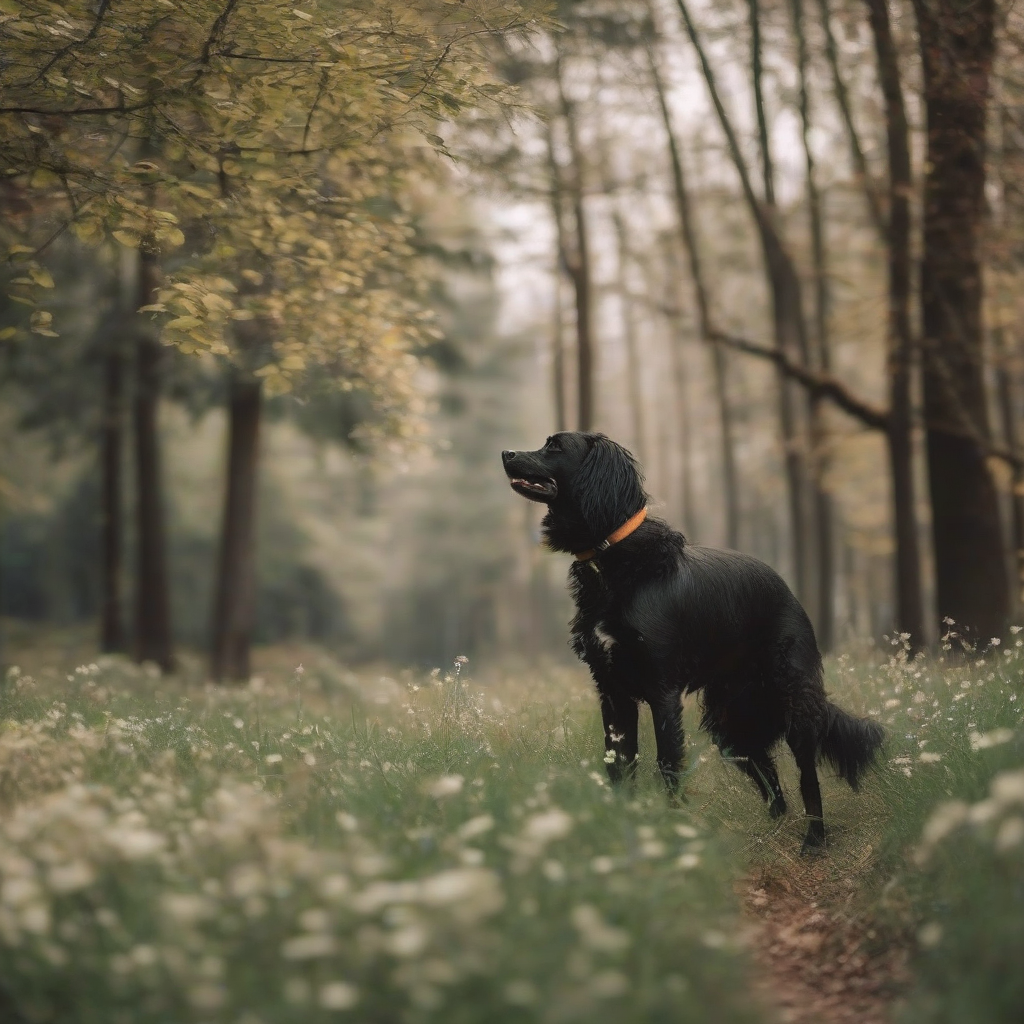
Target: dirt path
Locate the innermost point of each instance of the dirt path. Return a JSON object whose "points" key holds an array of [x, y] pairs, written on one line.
{"points": [[818, 961]]}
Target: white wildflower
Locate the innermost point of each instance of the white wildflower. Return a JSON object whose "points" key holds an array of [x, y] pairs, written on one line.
{"points": [[602, 865], [546, 827], [945, 818], [982, 741], [135, 843], [553, 870], [273, 759], [983, 811], [1008, 787], [929, 757], [475, 827], [595, 933], [446, 785], [207, 996], [609, 984], [687, 861], [315, 920], [930, 935], [308, 947], [338, 995], [520, 992], [408, 941], [1010, 834], [186, 908]]}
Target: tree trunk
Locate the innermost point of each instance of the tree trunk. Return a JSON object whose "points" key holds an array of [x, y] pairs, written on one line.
{"points": [[235, 600], [580, 272], [111, 512], [896, 232], [860, 164], [633, 369], [957, 41], [688, 235], [153, 611], [558, 357], [823, 511], [1011, 436], [684, 432], [788, 323], [564, 263]]}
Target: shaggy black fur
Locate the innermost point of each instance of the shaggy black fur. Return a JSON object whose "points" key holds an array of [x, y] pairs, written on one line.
{"points": [[658, 617]]}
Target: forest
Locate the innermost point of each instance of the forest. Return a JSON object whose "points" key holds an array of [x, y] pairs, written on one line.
{"points": [[289, 724]]}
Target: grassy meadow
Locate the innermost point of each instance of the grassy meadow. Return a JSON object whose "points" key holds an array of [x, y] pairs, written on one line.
{"points": [[324, 844]]}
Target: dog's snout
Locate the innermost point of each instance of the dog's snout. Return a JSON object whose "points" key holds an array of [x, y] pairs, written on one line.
{"points": [[507, 456]]}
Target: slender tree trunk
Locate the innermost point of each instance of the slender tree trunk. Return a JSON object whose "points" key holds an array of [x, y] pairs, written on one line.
{"points": [[558, 357], [235, 600], [787, 318], [684, 432], [580, 271], [564, 264], [153, 611], [111, 511], [957, 45], [896, 232], [633, 370], [860, 164], [823, 518], [1005, 395], [688, 234]]}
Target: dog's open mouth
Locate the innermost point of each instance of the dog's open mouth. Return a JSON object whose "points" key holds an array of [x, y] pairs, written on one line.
{"points": [[536, 488]]}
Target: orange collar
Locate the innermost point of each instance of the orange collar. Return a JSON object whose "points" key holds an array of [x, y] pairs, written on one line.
{"points": [[620, 534]]}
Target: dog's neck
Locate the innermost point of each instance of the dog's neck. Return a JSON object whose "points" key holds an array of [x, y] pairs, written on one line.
{"points": [[565, 530], [614, 537]]}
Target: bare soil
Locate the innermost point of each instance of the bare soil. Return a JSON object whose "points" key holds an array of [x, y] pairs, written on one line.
{"points": [[819, 959]]}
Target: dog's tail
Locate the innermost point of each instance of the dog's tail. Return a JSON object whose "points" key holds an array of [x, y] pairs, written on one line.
{"points": [[850, 744]]}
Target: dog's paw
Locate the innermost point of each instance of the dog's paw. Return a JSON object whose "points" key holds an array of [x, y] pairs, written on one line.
{"points": [[814, 841]]}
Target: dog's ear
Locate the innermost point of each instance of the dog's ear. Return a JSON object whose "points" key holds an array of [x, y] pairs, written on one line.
{"points": [[608, 487]]}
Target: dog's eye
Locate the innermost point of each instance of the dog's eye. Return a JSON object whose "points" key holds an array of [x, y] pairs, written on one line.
{"points": [[552, 445]]}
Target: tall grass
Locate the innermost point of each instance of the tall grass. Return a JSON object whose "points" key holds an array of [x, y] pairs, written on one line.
{"points": [[322, 846], [175, 853]]}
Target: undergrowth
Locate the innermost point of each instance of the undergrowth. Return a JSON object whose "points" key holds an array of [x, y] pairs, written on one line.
{"points": [[329, 846]]}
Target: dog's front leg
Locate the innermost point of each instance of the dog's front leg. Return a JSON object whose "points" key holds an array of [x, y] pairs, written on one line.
{"points": [[667, 710], [620, 716]]}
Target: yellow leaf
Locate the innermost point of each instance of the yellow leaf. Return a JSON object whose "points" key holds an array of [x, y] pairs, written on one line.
{"points": [[132, 239], [42, 178], [88, 231], [41, 276], [184, 323], [172, 236], [8, 332]]}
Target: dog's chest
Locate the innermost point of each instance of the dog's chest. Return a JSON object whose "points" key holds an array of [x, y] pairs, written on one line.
{"points": [[600, 633]]}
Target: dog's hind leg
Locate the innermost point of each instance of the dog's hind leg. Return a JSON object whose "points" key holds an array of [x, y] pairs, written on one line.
{"points": [[620, 715], [805, 750], [761, 768], [667, 710]]}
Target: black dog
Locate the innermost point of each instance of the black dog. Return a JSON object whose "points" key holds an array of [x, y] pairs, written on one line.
{"points": [[658, 617]]}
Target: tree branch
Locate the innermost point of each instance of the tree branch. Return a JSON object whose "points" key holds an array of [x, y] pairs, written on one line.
{"points": [[820, 385]]}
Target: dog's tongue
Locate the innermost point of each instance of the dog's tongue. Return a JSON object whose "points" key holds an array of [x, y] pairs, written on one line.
{"points": [[530, 485]]}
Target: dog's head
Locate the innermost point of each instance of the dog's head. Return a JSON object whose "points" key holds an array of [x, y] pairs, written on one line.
{"points": [[590, 484]]}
